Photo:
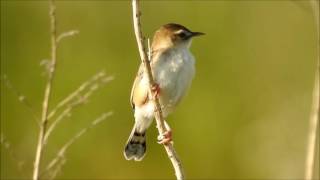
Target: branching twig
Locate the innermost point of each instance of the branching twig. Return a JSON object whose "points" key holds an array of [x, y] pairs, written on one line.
{"points": [[314, 116], [93, 85], [47, 94], [101, 76], [158, 113], [59, 160], [67, 34]]}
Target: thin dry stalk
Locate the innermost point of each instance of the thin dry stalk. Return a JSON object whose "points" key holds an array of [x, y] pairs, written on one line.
{"points": [[158, 112], [313, 128], [59, 160], [56, 171], [67, 34], [314, 116], [93, 85], [101, 76], [47, 94]]}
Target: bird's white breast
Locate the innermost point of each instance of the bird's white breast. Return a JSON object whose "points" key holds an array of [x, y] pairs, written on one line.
{"points": [[173, 71]]}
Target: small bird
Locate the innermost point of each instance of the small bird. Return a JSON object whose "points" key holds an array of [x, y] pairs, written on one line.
{"points": [[173, 69]]}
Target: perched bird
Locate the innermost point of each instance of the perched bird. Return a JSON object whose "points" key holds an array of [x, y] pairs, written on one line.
{"points": [[173, 69]]}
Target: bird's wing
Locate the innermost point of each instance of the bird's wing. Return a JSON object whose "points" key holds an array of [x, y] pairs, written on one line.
{"points": [[139, 92]]}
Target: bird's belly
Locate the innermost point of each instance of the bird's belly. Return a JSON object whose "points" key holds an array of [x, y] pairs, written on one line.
{"points": [[174, 79]]}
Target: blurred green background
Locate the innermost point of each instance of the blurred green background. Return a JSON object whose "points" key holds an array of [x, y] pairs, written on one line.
{"points": [[245, 116]]}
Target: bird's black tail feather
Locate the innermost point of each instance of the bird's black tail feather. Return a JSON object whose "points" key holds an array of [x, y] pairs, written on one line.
{"points": [[136, 146]]}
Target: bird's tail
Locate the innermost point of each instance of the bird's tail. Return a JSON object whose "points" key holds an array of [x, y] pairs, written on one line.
{"points": [[136, 145]]}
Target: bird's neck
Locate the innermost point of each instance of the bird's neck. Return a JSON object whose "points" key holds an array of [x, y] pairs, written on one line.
{"points": [[168, 52]]}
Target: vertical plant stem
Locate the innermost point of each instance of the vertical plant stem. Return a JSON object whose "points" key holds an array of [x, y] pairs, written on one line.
{"points": [[158, 113], [47, 94], [314, 116]]}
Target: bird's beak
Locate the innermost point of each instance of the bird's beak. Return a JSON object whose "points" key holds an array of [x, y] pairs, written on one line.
{"points": [[197, 34]]}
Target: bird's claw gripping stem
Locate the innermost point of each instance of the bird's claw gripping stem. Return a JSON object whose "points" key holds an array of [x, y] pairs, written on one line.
{"points": [[156, 90], [165, 138]]}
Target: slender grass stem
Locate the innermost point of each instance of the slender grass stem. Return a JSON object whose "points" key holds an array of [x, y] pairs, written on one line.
{"points": [[47, 93]]}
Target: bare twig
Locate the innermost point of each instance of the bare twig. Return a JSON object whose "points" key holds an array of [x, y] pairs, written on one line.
{"points": [[67, 34], [59, 160], [47, 94], [52, 174], [314, 116], [23, 99], [158, 113], [93, 85], [101, 76]]}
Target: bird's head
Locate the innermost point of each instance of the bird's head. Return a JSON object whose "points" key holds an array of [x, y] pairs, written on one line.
{"points": [[173, 35]]}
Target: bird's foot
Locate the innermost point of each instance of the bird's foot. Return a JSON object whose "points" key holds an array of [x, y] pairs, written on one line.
{"points": [[165, 138], [156, 90]]}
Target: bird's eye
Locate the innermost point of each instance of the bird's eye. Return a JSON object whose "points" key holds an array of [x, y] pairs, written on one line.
{"points": [[182, 35]]}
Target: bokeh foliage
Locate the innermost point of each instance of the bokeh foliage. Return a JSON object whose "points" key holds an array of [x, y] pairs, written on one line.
{"points": [[246, 115]]}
